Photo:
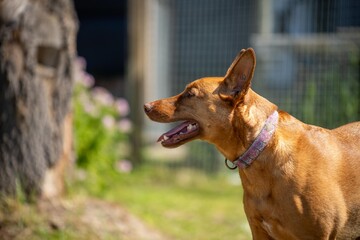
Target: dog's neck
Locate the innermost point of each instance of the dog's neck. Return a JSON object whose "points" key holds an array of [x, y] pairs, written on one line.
{"points": [[247, 123], [260, 142]]}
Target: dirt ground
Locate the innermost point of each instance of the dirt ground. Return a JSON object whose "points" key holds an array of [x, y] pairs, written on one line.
{"points": [[106, 220], [86, 218]]}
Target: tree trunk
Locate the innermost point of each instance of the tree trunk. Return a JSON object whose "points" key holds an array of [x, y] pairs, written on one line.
{"points": [[37, 51]]}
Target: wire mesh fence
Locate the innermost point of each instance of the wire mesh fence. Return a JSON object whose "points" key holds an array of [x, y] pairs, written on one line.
{"points": [[308, 58]]}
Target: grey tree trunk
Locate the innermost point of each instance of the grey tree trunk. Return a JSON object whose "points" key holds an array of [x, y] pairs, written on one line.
{"points": [[37, 51]]}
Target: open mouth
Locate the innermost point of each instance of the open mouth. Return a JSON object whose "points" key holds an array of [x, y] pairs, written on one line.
{"points": [[180, 134]]}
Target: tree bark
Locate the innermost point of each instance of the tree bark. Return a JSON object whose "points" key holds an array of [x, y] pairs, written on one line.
{"points": [[37, 51]]}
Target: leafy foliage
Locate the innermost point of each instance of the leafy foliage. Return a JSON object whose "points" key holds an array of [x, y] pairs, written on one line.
{"points": [[101, 131]]}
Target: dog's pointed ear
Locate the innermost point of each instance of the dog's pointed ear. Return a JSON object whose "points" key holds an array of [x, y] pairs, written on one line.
{"points": [[238, 78]]}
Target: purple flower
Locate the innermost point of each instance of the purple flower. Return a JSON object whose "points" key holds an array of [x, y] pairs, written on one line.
{"points": [[90, 109], [87, 104], [123, 166], [81, 62], [88, 80], [108, 121], [122, 106], [103, 96], [125, 125]]}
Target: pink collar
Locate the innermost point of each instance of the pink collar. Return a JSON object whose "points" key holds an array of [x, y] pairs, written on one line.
{"points": [[258, 145]]}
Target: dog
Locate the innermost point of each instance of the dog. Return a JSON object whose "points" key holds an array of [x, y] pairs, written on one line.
{"points": [[300, 181]]}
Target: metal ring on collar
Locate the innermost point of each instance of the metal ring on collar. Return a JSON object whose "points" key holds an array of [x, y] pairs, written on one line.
{"points": [[234, 166]]}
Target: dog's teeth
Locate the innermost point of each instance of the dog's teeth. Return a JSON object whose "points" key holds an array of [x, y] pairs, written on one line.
{"points": [[165, 138], [190, 127]]}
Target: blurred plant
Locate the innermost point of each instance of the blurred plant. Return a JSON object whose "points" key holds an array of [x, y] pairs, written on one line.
{"points": [[101, 131], [332, 99]]}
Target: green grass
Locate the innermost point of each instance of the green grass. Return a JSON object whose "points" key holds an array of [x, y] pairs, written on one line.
{"points": [[179, 204], [182, 204]]}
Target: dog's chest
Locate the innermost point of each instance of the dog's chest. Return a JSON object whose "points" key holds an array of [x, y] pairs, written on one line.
{"points": [[275, 230], [265, 214], [268, 227]]}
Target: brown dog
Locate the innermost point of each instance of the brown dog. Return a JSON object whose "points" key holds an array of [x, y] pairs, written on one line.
{"points": [[300, 181]]}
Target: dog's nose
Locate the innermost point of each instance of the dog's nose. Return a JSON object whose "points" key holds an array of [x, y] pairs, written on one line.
{"points": [[148, 107]]}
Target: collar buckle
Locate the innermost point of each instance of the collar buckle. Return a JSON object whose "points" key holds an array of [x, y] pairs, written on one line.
{"points": [[233, 167]]}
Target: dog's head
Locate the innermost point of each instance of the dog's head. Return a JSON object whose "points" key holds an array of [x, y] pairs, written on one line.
{"points": [[206, 106]]}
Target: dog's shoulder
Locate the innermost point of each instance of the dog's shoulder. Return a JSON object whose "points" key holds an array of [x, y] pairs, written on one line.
{"points": [[350, 130], [348, 137]]}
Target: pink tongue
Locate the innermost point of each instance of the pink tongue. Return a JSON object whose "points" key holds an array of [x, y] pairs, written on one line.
{"points": [[175, 130]]}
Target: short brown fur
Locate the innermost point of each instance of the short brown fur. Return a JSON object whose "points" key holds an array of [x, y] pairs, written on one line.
{"points": [[306, 182]]}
